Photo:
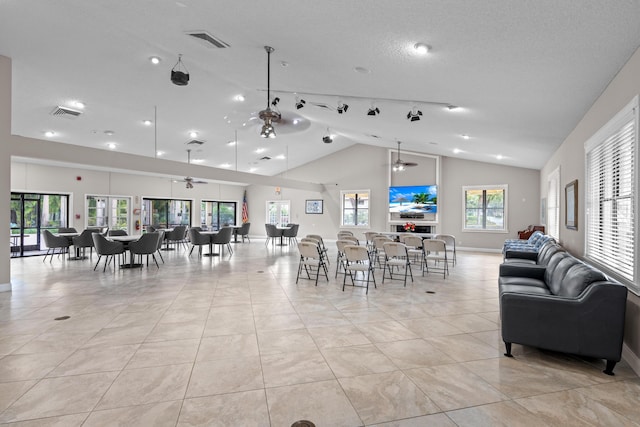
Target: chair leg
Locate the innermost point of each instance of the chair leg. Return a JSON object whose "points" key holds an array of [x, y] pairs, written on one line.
{"points": [[96, 266]]}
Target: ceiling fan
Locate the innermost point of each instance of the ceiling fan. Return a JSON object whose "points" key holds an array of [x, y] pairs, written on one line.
{"points": [[399, 165], [187, 179]]}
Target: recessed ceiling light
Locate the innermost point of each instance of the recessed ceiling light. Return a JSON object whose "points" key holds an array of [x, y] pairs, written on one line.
{"points": [[453, 108], [225, 165], [112, 145], [499, 157], [147, 122], [284, 63], [465, 136], [433, 143], [260, 150], [109, 132], [159, 153], [155, 60], [253, 169], [457, 151], [280, 157], [362, 70], [197, 160], [49, 134], [421, 48], [231, 142], [78, 104], [193, 134], [239, 98], [296, 121]]}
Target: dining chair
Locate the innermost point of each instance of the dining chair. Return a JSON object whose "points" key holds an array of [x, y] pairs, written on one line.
{"points": [[369, 235], [358, 258], [117, 233], [222, 239], [243, 231], [340, 259], [291, 233], [159, 247], [415, 249], [436, 250], [84, 241], [53, 242], [177, 236], [396, 255], [323, 248], [198, 239], [145, 245], [108, 249], [67, 230], [378, 248], [273, 232], [311, 259]]}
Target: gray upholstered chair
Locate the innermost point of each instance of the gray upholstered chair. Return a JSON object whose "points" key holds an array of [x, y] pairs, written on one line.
{"points": [[54, 242], [198, 239], [146, 245], [106, 248], [67, 230], [291, 233], [177, 236], [117, 233], [223, 238], [84, 241], [160, 241], [243, 231], [273, 232]]}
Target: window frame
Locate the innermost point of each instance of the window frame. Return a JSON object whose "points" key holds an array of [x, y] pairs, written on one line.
{"points": [[613, 128], [355, 209], [553, 204], [485, 188]]}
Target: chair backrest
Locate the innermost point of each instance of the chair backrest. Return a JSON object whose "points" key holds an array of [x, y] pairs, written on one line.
{"points": [[198, 239], [449, 240], [355, 253], [106, 247], [310, 240], [194, 228], [379, 241], [53, 241], [318, 238], [413, 242], [151, 229], [117, 233], [84, 240], [352, 239], [345, 233], [342, 243], [160, 239], [223, 236], [291, 232], [403, 236], [273, 231], [67, 230], [434, 245], [181, 231], [309, 250], [244, 229], [147, 244], [369, 235], [395, 250]]}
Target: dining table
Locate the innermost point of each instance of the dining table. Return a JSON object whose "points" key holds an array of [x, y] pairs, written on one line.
{"points": [[210, 234], [283, 227], [126, 240], [70, 236]]}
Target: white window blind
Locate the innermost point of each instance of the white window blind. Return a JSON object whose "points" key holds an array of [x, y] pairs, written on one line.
{"points": [[610, 196], [553, 204]]}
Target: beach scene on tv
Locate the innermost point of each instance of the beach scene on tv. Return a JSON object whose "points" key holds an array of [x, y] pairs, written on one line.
{"points": [[413, 199]]}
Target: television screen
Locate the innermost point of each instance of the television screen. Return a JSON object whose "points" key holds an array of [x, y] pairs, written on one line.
{"points": [[413, 199]]}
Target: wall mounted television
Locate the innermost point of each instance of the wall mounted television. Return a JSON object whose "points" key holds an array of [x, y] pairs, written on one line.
{"points": [[413, 199]]}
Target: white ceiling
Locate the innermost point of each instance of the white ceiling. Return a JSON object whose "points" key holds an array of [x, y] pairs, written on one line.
{"points": [[523, 73]]}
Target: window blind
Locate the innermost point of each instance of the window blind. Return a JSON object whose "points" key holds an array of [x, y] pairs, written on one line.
{"points": [[610, 198]]}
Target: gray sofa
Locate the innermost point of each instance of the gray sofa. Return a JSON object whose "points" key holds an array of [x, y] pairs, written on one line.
{"points": [[564, 305]]}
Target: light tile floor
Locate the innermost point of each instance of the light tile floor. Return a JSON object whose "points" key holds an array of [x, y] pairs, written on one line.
{"points": [[233, 341]]}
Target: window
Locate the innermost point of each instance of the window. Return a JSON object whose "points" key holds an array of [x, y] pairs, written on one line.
{"points": [[610, 195], [485, 208], [104, 211], [217, 214], [553, 204], [163, 213], [278, 212], [355, 208]]}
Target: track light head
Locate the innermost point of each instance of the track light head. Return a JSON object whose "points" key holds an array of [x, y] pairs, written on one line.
{"points": [[300, 103], [189, 185], [342, 107], [275, 101], [373, 111], [414, 115]]}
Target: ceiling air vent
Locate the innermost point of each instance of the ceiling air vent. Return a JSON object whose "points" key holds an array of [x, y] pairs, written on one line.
{"points": [[208, 39], [265, 158], [321, 105], [65, 112], [194, 142]]}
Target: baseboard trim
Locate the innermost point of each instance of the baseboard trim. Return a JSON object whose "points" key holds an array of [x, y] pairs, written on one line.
{"points": [[630, 357], [489, 250]]}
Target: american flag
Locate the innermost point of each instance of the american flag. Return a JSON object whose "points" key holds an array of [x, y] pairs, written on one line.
{"points": [[245, 209]]}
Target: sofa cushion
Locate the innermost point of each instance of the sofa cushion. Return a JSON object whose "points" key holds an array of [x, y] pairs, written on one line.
{"points": [[555, 277], [521, 281], [524, 289], [578, 278]]}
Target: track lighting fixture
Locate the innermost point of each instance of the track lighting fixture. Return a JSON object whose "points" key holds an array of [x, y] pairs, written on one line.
{"points": [[327, 139], [373, 111], [179, 73], [300, 103], [268, 115], [342, 107], [414, 114]]}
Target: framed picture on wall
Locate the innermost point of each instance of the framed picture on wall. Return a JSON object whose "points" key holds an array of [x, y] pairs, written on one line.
{"points": [[313, 207], [571, 211]]}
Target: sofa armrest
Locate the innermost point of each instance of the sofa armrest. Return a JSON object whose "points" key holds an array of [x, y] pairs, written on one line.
{"points": [[521, 254], [590, 325], [522, 270]]}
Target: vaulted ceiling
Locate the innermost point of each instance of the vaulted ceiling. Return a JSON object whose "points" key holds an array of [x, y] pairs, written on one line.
{"points": [[521, 75]]}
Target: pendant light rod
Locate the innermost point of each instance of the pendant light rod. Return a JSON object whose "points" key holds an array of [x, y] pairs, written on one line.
{"points": [[269, 49]]}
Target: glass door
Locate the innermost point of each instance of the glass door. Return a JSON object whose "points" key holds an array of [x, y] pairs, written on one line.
{"points": [[111, 212]]}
